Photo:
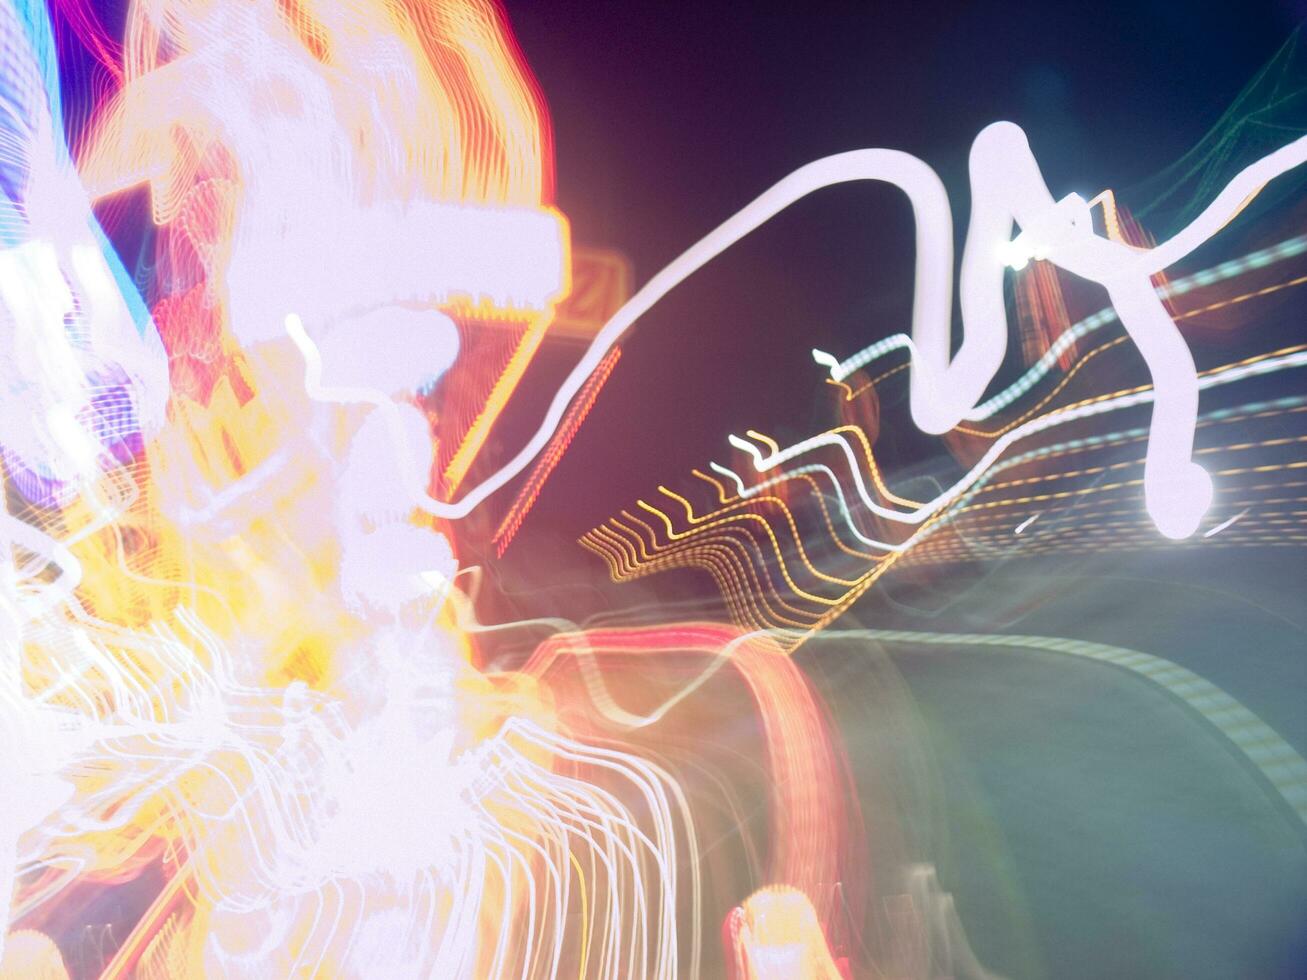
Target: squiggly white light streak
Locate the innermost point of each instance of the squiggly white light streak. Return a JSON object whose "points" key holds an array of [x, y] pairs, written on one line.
{"points": [[1006, 188]]}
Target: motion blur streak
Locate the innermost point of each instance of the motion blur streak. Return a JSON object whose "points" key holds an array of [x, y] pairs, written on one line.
{"points": [[262, 323], [233, 696]]}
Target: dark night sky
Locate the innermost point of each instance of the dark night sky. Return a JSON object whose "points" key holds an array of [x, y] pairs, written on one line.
{"points": [[668, 117]]}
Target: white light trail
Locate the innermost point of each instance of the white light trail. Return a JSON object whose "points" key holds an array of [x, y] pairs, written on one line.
{"points": [[1006, 190]]}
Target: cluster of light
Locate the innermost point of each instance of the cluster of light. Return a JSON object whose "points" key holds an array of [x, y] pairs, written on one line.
{"points": [[239, 669], [231, 657]]}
